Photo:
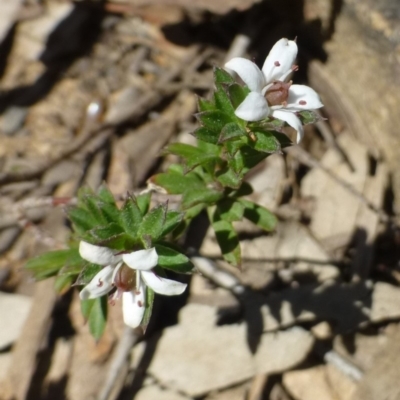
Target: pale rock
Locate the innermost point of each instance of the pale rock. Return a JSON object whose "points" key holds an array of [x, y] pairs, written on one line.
{"points": [[156, 393], [8, 11], [196, 356], [5, 361], [336, 208], [385, 302], [342, 386], [308, 384], [322, 331], [14, 309], [33, 33]]}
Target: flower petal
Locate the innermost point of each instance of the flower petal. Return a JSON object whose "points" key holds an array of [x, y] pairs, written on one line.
{"points": [[253, 108], [302, 97], [97, 254], [278, 64], [248, 72], [133, 307], [291, 119], [164, 286], [141, 259], [100, 285]]}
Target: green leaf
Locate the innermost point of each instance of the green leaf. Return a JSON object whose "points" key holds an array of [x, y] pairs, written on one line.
{"points": [[259, 215], [223, 102], [172, 221], [266, 142], [131, 216], [176, 183], [49, 264], [206, 135], [237, 94], [192, 155], [221, 76], [245, 159], [230, 210], [244, 190], [110, 211], [205, 105], [95, 311], [112, 236], [231, 131], [82, 220], [88, 273], [105, 195], [153, 222], [226, 237], [63, 283], [171, 259], [199, 196], [228, 178], [283, 140], [308, 117], [149, 308], [91, 203], [214, 120], [143, 202]]}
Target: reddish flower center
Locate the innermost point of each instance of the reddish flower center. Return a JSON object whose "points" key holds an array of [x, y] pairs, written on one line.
{"points": [[125, 279], [278, 93]]}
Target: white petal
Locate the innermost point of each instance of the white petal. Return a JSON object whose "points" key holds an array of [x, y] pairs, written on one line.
{"points": [[291, 119], [97, 254], [248, 72], [278, 64], [133, 307], [141, 259], [253, 108], [302, 97], [100, 285], [164, 286]]}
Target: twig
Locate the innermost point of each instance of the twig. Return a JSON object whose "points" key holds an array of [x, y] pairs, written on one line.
{"points": [[120, 358]]}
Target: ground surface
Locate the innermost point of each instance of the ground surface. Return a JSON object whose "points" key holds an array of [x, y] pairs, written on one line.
{"points": [[92, 92]]}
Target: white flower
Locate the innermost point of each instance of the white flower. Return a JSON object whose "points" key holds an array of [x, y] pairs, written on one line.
{"points": [[270, 93], [130, 274]]}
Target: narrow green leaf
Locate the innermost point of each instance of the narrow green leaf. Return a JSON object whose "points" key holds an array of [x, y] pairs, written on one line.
{"points": [[214, 120], [223, 102], [98, 317], [110, 211], [228, 178], [221, 76], [63, 283], [237, 94], [266, 142], [231, 131], [105, 195], [153, 222], [259, 215], [87, 274], [172, 221], [226, 237], [171, 259], [230, 210], [206, 135], [176, 183], [143, 202], [283, 140], [131, 216], [205, 105], [49, 264], [198, 196], [149, 308], [81, 219], [91, 204]]}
